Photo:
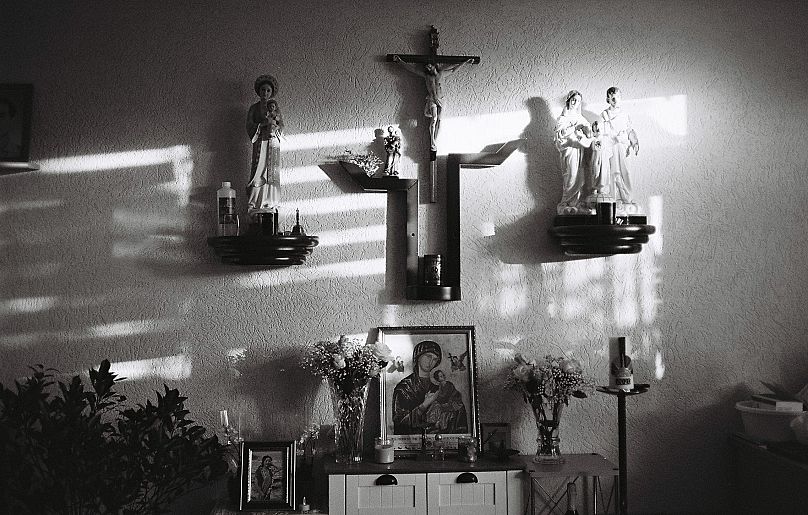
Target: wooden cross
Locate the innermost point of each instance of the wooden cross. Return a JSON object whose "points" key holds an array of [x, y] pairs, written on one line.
{"points": [[434, 67]]}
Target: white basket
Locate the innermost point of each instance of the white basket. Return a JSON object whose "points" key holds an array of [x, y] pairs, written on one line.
{"points": [[766, 424]]}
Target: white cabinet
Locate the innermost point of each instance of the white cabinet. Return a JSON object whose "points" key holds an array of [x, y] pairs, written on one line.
{"points": [[363, 496], [447, 496], [442, 491]]}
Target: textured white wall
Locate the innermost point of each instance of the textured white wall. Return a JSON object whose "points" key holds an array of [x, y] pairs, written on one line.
{"points": [[139, 115]]}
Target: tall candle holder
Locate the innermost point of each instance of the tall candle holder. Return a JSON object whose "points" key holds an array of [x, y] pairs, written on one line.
{"points": [[622, 492]]}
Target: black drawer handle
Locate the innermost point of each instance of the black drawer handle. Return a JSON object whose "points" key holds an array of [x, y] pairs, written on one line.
{"points": [[466, 477], [387, 479]]}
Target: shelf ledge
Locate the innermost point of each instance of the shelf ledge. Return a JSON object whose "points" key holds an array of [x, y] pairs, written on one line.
{"points": [[274, 251], [10, 167]]}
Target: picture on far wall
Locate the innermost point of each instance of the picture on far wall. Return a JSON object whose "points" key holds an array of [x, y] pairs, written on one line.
{"points": [[495, 438], [430, 386], [268, 475], [15, 122]]}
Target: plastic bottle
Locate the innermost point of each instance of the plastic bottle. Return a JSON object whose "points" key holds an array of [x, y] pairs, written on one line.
{"points": [[226, 206]]}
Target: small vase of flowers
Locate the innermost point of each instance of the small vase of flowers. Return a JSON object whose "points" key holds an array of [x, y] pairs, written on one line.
{"points": [[348, 364], [547, 387]]}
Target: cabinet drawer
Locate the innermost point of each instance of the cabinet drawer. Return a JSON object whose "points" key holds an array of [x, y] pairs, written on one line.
{"points": [[486, 496], [406, 497]]}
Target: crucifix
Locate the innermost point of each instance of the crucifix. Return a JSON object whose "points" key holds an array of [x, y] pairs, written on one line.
{"points": [[434, 66]]}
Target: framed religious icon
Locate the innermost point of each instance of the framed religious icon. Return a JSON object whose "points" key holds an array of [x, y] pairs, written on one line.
{"points": [[429, 387], [15, 122], [268, 475]]}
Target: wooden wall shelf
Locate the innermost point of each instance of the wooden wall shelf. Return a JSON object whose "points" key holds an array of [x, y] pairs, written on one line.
{"points": [[9, 167], [407, 190], [581, 235], [274, 251]]}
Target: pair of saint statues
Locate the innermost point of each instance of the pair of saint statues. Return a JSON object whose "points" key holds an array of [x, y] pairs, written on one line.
{"points": [[593, 156]]}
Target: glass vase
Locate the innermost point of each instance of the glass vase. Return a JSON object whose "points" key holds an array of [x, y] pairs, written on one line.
{"points": [[349, 418], [548, 418]]}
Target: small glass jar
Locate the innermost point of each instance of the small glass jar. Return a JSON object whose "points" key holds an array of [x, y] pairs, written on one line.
{"points": [[432, 270], [383, 450], [467, 449]]}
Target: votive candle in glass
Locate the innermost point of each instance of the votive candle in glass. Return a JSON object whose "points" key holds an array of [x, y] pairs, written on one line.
{"points": [[383, 450]]}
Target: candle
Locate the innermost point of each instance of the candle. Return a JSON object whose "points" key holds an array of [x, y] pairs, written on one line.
{"points": [[384, 452], [223, 418], [304, 507]]}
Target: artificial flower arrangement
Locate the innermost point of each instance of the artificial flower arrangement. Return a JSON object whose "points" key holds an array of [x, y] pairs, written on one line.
{"points": [[369, 162], [547, 387], [347, 363], [552, 380]]}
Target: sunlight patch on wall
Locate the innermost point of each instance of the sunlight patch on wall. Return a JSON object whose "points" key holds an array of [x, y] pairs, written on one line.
{"points": [[340, 204], [669, 113], [160, 247], [305, 274], [390, 315], [303, 175], [23, 340], [352, 235], [114, 160], [130, 328], [513, 295], [659, 366], [325, 139], [506, 346], [649, 270], [168, 367], [140, 222], [625, 291], [9, 207], [655, 218], [179, 157], [461, 134], [27, 305]]}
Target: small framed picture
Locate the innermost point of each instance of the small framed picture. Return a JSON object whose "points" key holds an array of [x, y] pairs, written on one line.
{"points": [[495, 438], [268, 475], [430, 386], [15, 122]]}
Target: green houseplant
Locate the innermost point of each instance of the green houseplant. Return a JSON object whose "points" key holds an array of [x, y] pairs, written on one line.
{"points": [[67, 449]]}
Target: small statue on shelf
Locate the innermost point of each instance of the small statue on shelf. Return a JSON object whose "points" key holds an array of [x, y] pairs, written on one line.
{"points": [[573, 134], [264, 128], [621, 138], [392, 144]]}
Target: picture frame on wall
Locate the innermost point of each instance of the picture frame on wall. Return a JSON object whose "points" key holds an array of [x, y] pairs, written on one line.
{"points": [[495, 438], [268, 475], [430, 386], [15, 122]]}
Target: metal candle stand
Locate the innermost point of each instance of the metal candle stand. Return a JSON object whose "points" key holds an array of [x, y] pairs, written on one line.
{"points": [[622, 492]]}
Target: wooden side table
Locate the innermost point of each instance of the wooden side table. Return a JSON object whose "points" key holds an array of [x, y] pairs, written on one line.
{"points": [[576, 467]]}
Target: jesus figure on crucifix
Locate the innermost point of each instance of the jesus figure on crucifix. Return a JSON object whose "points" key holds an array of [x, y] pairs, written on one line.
{"points": [[432, 74]]}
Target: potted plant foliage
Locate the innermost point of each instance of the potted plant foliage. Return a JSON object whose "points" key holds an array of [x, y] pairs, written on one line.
{"points": [[67, 449]]}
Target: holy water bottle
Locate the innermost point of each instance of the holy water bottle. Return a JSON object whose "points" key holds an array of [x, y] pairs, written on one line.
{"points": [[226, 206], [572, 500]]}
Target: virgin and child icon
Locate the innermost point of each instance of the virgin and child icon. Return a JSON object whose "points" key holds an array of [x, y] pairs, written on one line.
{"points": [[426, 399]]}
